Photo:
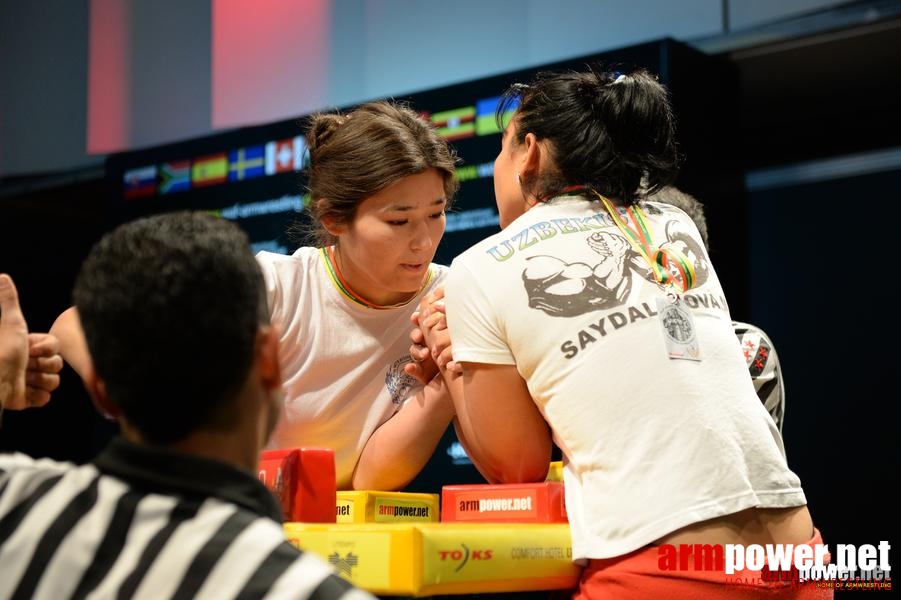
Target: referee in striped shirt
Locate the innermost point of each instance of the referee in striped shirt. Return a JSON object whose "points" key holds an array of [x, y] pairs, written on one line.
{"points": [[174, 313]]}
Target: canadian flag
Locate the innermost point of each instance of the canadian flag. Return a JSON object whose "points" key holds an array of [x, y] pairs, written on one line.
{"points": [[285, 155]]}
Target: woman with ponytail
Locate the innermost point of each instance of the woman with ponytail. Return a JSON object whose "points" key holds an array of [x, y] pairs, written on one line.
{"points": [[582, 323]]}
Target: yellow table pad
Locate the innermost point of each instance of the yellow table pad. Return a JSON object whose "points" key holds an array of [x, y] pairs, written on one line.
{"points": [[421, 559]]}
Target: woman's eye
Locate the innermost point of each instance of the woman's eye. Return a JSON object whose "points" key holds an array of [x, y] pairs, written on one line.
{"points": [[437, 215], [398, 222]]}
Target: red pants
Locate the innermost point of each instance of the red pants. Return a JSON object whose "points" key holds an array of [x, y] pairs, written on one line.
{"points": [[638, 576]]}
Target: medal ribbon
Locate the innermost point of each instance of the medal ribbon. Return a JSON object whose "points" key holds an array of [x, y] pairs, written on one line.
{"points": [[338, 280], [660, 258]]}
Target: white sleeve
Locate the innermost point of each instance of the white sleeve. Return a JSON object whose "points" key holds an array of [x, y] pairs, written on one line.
{"points": [[474, 321], [266, 260]]}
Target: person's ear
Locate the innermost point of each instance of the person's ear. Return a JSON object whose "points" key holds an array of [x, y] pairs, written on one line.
{"points": [[530, 157], [96, 388], [267, 356], [334, 226]]}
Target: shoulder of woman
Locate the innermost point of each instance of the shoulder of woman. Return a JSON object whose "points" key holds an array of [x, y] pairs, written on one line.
{"points": [[274, 260], [438, 269]]}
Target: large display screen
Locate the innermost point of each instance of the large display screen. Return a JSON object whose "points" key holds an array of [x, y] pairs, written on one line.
{"points": [[253, 175]]}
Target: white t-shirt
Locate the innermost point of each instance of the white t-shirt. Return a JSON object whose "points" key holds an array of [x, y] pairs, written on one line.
{"points": [[342, 363], [651, 444]]}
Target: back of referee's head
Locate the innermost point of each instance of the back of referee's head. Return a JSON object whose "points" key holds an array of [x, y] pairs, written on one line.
{"points": [[173, 308]]}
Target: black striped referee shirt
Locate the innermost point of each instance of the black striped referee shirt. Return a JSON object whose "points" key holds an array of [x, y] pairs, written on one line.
{"points": [[147, 523]]}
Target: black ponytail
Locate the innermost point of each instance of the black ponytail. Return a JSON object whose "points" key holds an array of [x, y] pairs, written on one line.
{"points": [[614, 132]]}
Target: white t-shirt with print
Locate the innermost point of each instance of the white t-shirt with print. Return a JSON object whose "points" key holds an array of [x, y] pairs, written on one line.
{"points": [[651, 443], [342, 363]]}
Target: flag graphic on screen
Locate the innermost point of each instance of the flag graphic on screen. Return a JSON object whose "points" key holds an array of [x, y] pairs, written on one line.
{"points": [[486, 115], [246, 163], [285, 156], [210, 170], [140, 182], [175, 176], [456, 124]]}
